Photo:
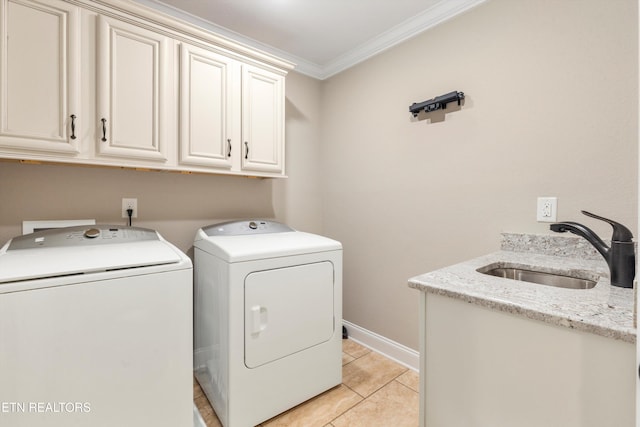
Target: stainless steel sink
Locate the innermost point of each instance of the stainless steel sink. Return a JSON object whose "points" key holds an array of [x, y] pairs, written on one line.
{"points": [[539, 277]]}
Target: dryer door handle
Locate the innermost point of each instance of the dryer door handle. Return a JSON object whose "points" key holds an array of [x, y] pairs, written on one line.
{"points": [[258, 319]]}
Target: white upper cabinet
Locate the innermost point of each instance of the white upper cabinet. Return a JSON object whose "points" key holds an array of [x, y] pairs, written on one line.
{"points": [[206, 108], [231, 114], [262, 120], [39, 77], [114, 83], [133, 92]]}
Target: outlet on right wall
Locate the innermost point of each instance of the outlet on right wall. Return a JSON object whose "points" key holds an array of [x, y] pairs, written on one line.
{"points": [[551, 109]]}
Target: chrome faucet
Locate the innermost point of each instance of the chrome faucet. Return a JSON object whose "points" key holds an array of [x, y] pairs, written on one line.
{"points": [[620, 256]]}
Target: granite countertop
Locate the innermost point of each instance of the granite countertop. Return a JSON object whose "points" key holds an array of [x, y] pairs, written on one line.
{"points": [[603, 310]]}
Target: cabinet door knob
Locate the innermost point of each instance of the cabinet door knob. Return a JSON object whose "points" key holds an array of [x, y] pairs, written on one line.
{"points": [[229, 151], [246, 154], [73, 126], [104, 129]]}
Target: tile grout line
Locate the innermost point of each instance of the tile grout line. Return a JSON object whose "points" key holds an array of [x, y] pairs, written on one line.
{"points": [[356, 393], [364, 399], [384, 385], [406, 386], [350, 408]]}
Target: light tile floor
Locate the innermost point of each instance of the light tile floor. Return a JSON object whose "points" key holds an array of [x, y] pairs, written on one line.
{"points": [[375, 391]]}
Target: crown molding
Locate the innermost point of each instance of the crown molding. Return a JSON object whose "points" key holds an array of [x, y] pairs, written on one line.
{"points": [[181, 25], [439, 13]]}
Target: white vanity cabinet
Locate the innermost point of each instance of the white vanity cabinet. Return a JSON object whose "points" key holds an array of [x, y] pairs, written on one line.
{"points": [[39, 78], [115, 83], [482, 367], [133, 91]]}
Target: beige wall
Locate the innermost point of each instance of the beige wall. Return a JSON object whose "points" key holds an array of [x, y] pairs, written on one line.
{"points": [[176, 205], [297, 200], [551, 110]]}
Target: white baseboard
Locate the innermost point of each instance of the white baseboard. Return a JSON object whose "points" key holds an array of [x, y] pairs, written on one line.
{"points": [[391, 349]]}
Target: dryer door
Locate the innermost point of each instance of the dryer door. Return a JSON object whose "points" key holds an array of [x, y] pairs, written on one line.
{"points": [[287, 310]]}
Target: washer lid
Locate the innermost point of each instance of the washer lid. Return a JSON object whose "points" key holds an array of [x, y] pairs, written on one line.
{"points": [[82, 250], [260, 246]]}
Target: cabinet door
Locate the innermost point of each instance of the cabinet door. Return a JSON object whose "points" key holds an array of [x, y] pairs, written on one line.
{"points": [[206, 81], [133, 97], [262, 120], [39, 76]]}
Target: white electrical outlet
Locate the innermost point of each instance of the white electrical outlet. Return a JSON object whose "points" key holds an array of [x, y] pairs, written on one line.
{"points": [[129, 204], [547, 209]]}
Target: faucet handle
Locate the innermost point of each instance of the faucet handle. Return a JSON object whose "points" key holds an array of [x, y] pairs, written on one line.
{"points": [[620, 232]]}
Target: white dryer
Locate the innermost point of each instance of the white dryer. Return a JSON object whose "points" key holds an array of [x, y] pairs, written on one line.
{"points": [[268, 318], [95, 329]]}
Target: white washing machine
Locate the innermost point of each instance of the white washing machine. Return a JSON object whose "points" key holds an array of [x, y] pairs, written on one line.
{"points": [[95, 329], [268, 318]]}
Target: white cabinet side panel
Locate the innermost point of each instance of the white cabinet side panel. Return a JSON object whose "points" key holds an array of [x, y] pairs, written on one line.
{"points": [[488, 368]]}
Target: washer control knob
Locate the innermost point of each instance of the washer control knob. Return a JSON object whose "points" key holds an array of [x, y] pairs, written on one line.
{"points": [[91, 233], [253, 225]]}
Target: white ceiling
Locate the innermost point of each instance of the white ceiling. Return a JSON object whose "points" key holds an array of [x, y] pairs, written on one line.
{"points": [[323, 37]]}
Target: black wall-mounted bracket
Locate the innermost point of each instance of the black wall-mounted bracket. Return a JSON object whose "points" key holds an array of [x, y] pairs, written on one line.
{"points": [[439, 102]]}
